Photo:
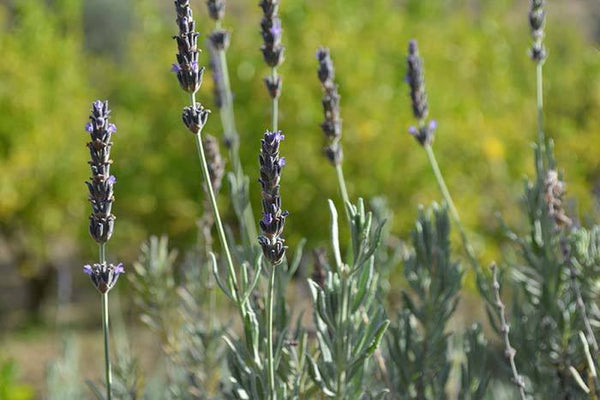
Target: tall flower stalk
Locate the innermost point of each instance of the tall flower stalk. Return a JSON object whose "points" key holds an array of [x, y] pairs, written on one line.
{"points": [[332, 124], [271, 225], [424, 134], [272, 50], [537, 20], [189, 75], [218, 42], [104, 276]]}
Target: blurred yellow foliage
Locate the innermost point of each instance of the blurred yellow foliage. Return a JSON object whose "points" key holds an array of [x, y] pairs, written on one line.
{"points": [[59, 56]]}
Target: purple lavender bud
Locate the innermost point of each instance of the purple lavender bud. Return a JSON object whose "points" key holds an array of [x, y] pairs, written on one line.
{"points": [[100, 185], [104, 276], [273, 220], [219, 89], [195, 118], [216, 165], [189, 74], [332, 124], [220, 39], [537, 20], [271, 32], [216, 9], [274, 85], [416, 80]]}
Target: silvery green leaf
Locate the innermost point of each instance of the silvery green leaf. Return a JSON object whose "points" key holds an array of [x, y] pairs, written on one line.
{"points": [[215, 271]]}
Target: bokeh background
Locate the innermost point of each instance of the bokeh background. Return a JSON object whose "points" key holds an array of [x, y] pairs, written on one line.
{"points": [[57, 56]]}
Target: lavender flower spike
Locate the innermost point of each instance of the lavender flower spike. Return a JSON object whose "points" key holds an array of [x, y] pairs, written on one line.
{"points": [[332, 125], [272, 49], [104, 276], [216, 9], [187, 69], [537, 20], [415, 77], [273, 220], [100, 185]]}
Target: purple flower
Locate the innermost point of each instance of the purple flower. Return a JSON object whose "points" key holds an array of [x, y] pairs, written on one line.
{"points": [[413, 131], [267, 218], [119, 269], [104, 276], [432, 125], [175, 68], [98, 104], [100, 185], [274, 137], [273, 221]]}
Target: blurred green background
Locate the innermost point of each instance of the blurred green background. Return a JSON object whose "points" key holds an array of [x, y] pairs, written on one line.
{"points": [[60, 55]]}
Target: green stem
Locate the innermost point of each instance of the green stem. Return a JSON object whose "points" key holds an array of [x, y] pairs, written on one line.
{"points": [[274, 103], [342, 185], [453, 211], [107, 367], [342, 343], [540, 105], [215, 209], [270, 358], [227, 114], [105, 331]]}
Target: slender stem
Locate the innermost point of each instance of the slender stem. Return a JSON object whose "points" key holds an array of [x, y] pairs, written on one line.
{"points": [[107, 368], [540, 105], [582, 308], [453, 211], [270, 358], [215, 209], [102, 252], [342, 343], [510, 352], [342, 184], [275, 103], [227, 115], [105, 330]]}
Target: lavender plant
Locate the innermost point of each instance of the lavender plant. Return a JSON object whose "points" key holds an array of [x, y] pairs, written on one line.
{"points": [[272, 225], [332, 124], [251, 376], [104, 276], [419, 342], [176, 302], [424, 134], [349, 320]]}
